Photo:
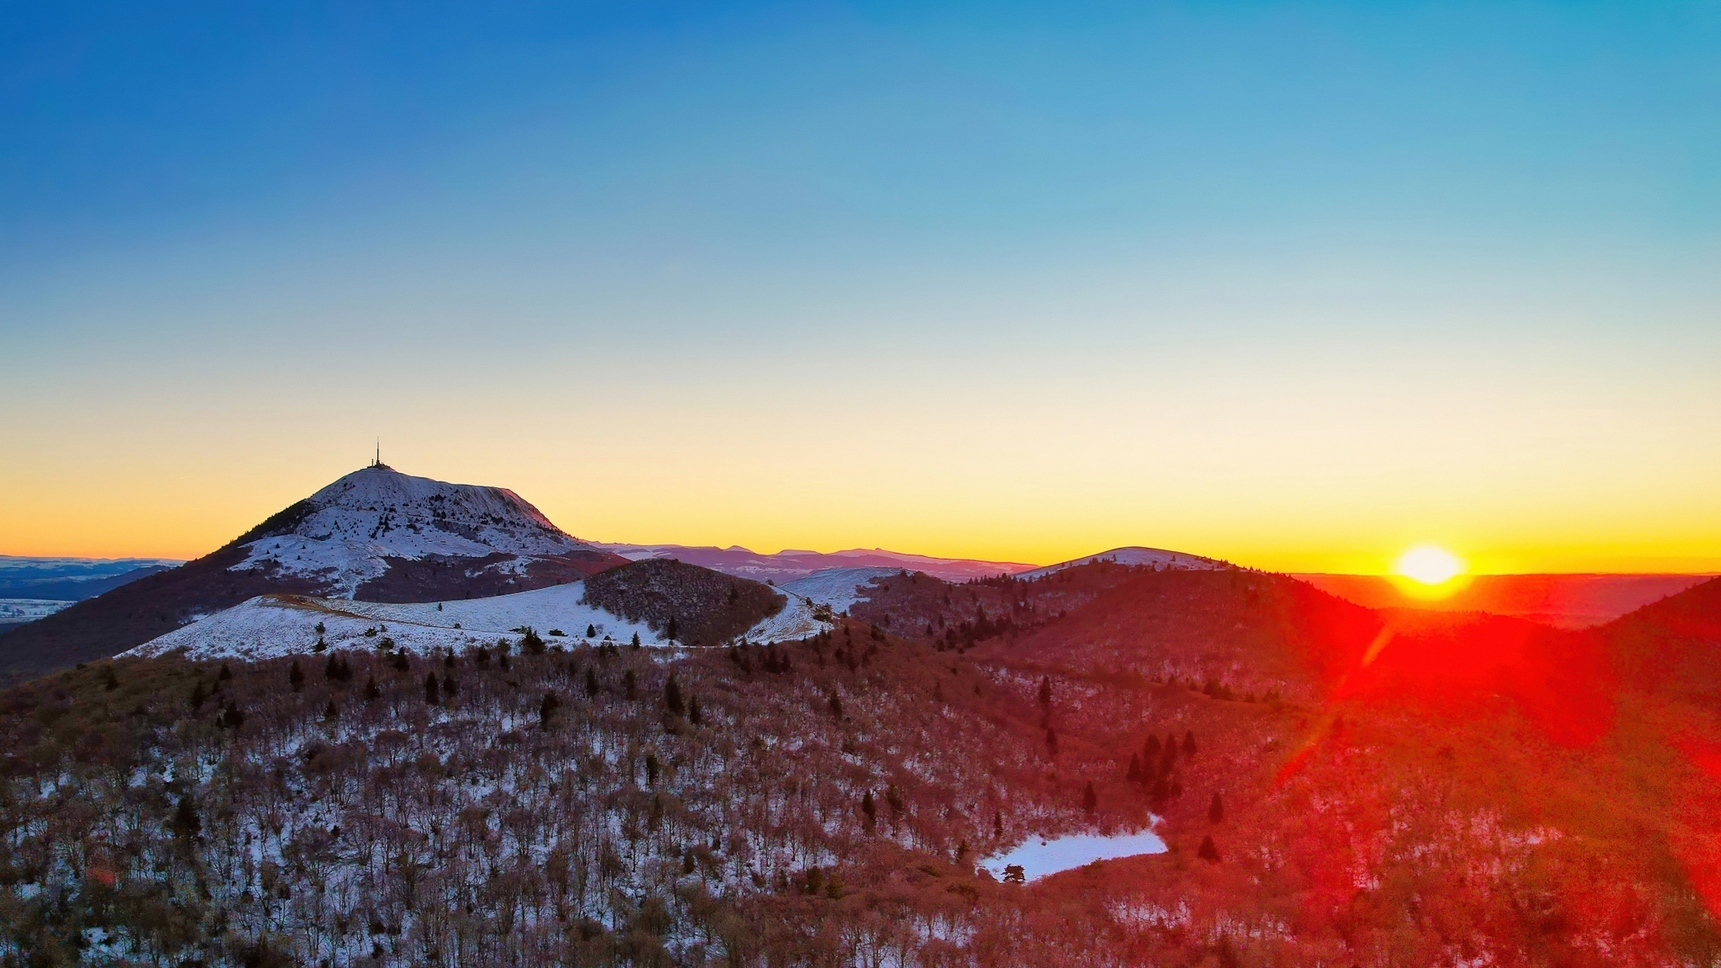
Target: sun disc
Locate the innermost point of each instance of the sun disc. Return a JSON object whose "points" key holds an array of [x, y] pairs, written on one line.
{"points": [[1429, 565]]}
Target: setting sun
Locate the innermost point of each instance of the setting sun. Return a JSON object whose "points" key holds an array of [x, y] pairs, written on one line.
{"points": [[1429, 565]]}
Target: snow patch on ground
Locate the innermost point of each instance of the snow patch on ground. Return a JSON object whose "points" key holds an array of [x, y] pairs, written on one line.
{"points": [[839, 588], [276, 625], [815, 603], [1039, 857], [797, 619]]}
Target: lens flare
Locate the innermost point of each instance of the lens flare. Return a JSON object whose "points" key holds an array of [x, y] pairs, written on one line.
{"points": [[1429, 565]]}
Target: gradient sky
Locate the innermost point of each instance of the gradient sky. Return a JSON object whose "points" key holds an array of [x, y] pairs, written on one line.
{"points": [[1293, 284]]}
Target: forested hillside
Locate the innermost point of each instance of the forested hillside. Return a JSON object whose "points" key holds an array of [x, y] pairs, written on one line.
{"points": [[1335, 786]]}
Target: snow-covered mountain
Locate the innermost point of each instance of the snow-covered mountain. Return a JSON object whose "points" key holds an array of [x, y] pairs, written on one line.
{"points": [[350, 536], [1136, 557], [374, 535]]}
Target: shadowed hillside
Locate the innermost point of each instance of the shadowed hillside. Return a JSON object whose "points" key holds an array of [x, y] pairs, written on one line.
{"points": [[690, 604]]}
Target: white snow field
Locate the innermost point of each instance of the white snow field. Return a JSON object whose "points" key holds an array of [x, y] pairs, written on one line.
{"points": [[278, 625], [377, 513], [814, 602], [837, 587], [1137, 557], [275, 625], [798, 619], [1040, 857]]}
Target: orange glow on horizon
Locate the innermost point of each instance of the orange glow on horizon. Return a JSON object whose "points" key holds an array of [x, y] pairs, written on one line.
{"points": [[1428, 573], [184, 504]]}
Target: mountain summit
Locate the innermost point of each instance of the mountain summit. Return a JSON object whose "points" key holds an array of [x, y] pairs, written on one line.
{"points": [[356, 533]]}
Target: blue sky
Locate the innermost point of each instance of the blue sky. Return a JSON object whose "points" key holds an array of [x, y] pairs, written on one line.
{"points": [[1495, 223]]}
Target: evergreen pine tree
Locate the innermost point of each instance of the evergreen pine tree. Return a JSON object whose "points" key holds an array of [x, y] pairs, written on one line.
{"points": [[672, 700], [1090, 799], [1216, 810], [186, 823], [296, 676]]}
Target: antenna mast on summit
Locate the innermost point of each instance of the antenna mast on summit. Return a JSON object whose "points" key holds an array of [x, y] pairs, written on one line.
{"points": [[378, 461]]}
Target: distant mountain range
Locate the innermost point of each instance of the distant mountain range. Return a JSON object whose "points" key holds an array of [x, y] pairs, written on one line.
{"points": [[788, 565], [34, 588], [72, 579]]}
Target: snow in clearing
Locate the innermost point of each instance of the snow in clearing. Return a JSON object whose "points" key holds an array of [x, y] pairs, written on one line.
{"points": [[837, 587], [1039, 858], [798, 619], [28, 609], [1138, 557], [378, 513], [275, 625]]}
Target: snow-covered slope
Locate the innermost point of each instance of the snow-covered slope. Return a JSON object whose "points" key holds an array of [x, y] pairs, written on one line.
{"points": [[837, 587], [815, 602], [346, 534], [1136, 557], [274, 625], [277, 625], [797, 620]]}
